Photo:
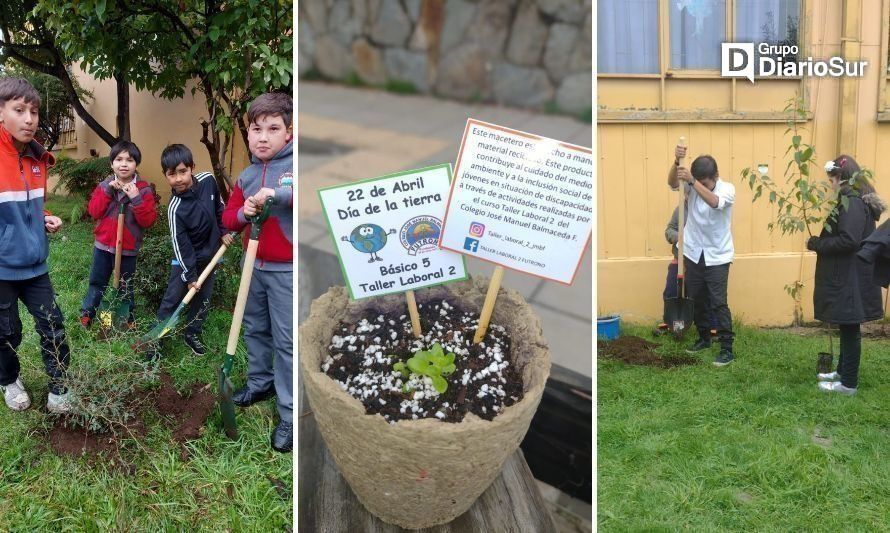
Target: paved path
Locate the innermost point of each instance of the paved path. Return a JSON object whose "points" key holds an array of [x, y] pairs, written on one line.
{"points": [[347, 134]]}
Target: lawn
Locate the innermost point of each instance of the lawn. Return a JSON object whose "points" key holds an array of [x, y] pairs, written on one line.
{"points": [[753, 446], [214, 484]]}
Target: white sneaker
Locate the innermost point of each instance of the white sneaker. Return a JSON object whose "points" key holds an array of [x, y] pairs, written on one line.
{"points": [[16, 396], [830, 376], [836, 386], [58, 404]]}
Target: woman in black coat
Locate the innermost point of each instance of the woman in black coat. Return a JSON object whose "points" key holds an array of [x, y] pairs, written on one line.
{"points": [[845, 293]]}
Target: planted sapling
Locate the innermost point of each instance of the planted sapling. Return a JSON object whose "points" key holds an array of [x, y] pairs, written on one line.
{"points": [[434, 363]]}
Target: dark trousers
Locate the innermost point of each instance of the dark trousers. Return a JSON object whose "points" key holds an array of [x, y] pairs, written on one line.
{"points": [[707, 285], [100, 272], [38, 296], [176, 290], [851, 351], [670, 291]]}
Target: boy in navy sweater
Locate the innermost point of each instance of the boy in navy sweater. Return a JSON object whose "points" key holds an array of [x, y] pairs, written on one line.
{"points": [[195, 218]]}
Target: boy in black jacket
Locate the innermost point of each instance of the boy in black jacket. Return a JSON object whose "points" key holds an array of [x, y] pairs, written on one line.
{"points": [[195, 218]]}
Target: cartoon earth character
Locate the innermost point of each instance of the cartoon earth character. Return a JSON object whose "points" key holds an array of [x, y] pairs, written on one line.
{"points": [[369, 239]]}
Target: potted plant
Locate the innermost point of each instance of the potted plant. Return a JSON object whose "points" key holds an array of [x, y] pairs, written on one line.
{"points": [[422, 472]]}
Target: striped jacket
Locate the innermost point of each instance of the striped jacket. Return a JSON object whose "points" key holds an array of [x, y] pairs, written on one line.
{"points": [[195, 219], [139, 214], [24, 245]]}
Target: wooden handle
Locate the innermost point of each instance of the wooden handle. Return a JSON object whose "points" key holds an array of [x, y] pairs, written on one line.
{"points": [[205, 274], [118, 250], [412, 311], [681, 219], [488, 307], [241, 301]]}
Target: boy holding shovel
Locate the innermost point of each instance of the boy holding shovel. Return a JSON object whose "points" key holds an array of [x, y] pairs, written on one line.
{"points": [[267, 334], [195, 218], [708, 248], [24, 248]]}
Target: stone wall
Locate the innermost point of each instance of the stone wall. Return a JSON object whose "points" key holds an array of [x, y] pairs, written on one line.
{"points": [[525, 53]]}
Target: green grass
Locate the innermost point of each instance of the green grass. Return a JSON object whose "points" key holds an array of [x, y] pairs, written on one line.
{"points": [[753, 446], [222, 485]]}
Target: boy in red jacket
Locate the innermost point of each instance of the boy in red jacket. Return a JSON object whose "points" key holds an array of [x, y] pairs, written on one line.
{"points": [[123, 187], [24, 248]]}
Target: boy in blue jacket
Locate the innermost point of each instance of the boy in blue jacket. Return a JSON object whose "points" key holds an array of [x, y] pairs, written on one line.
{"points": [[24, 248]]}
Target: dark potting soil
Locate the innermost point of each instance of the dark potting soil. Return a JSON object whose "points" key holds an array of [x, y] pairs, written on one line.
{"points": [[186, 414], [636, 351], [362, 354]]}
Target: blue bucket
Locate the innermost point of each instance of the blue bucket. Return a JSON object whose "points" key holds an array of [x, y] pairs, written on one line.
{"points": [[607, 327]]}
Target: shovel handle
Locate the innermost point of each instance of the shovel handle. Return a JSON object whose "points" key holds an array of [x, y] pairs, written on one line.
{"points": [[118, 248], [681, 219], [243, 289], [207, 270]]}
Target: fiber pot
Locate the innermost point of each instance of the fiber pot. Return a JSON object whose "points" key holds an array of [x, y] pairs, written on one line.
{"points": [[421, 473]]}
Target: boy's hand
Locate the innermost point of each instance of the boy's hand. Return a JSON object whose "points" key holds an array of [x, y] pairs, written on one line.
{"points": [[131, 190], [260, 197], [680, 152], [114, 184], [52, 223], [227, 239], [249, 207], [684, 174], [194, 285]]}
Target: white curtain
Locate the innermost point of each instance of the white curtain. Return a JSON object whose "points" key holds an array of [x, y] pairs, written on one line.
{"points": [[627, 36], [768, 21], [697, 29]]}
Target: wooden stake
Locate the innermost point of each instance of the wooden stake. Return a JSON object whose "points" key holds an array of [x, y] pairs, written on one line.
{"points": [[412, 311], [488, 307]]}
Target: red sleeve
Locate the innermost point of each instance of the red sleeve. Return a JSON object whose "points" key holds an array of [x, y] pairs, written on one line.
{"points": [[98, 203], [144, 209], [232, 217]]}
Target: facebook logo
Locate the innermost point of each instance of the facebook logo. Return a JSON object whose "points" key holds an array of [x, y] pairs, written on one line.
{"points": [[471, 244]]}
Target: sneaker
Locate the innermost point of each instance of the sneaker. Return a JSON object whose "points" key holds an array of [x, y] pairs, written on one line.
{"points": [[16, 396], [724, 358], [700, 345], [193, 342], [86, 322], [58, 404], [830, 376], [836, 386]]}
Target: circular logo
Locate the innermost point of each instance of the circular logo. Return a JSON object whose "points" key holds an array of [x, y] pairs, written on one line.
{"points": [[286, 180], [421, 234]]}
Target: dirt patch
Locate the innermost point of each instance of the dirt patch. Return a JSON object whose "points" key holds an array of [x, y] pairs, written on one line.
{"points": [[186, 414], [636, 351]]}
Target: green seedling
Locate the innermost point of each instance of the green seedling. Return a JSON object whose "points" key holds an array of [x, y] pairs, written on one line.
{"points": [[434, 363]]}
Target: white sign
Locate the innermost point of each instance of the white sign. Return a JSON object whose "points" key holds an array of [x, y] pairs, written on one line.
{"points": [[520, 201], [386, 232]]}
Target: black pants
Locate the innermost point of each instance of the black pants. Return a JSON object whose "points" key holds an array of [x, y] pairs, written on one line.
{"points": [[100, 272], [851, 351], [176, 290], [707, 286], [38, 296]]}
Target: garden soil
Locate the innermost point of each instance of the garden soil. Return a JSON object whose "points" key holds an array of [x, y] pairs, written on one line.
{"points": [[186, 414], [421, 473], [636, 351]]}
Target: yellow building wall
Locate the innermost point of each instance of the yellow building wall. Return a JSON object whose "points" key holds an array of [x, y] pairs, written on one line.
{"points": [[741, 125], [154, 124]]}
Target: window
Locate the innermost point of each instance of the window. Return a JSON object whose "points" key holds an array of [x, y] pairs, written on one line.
{"points": [[697, 28], [67, 131], [627, 36]]}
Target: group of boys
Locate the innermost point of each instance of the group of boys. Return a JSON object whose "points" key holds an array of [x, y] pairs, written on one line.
{"points": [[199, 223]]}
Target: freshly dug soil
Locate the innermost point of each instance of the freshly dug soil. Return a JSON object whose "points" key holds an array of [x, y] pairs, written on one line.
{"points": [[362, 354], [186, 414], [636, 351]]}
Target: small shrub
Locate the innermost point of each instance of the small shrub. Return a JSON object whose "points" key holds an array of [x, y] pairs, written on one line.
{"points": [[401, 87], [80, 176]]}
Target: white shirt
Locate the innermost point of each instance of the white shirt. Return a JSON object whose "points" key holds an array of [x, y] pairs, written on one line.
{"points": [[708, 228]]}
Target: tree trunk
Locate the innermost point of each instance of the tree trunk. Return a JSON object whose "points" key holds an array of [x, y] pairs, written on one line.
{"points": [[123, 106]]}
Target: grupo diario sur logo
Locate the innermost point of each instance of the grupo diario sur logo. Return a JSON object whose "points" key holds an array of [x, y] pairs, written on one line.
{"points": [[764, 60]]}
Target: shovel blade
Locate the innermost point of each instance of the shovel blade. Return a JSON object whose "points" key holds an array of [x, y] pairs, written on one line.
{"points": [[679, 314], [227, 405]]}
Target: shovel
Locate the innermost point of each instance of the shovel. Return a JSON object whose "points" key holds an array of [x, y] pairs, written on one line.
{"points": [[166, 326], [825, 361], [680, 311], [113, 311], [226, 389]]}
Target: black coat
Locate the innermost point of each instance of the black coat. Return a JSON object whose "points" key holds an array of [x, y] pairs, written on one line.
{"points": [[876, 251], [845, 292]]}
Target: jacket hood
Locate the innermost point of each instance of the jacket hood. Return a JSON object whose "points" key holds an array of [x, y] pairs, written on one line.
{"points": [[875, 204], [33, 149], [287, 151]]}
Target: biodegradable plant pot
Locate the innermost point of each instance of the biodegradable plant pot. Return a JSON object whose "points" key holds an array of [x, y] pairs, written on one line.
{"points": [[421, 473]]}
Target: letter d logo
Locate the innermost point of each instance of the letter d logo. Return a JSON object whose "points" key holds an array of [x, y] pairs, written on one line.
{"points": [[737, 60]]}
